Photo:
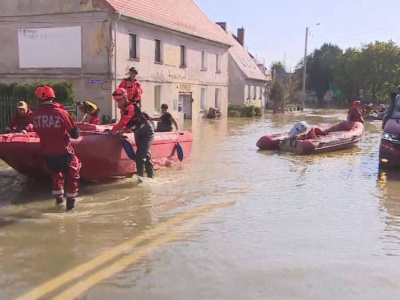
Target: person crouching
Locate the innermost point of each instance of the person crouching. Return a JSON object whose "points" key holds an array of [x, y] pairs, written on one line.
{"points": [[54, 126], [132, 118], [22, 120]]}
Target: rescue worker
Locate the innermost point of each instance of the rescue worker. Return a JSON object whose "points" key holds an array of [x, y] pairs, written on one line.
{"points": [[165, 120], [132, 118], [369, 109], [22, 120], [354, 113], [55, 127], [133, 87], [91, 109]]}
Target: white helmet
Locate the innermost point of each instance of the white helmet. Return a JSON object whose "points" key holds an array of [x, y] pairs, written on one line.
{"points": [[298, 129]]}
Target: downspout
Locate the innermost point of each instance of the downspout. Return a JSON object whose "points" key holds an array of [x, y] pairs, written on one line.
{"points": [[115, 59]]}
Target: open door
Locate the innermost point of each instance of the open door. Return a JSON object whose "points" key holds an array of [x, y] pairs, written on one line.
{"points": [[186, 102]]}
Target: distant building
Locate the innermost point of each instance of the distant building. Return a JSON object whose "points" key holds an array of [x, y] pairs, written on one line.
{"points": [[247, 82], [182, 61]]}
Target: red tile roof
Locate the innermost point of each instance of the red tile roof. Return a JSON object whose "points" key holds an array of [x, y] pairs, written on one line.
{"points": [[243, 59], [180, 15]]}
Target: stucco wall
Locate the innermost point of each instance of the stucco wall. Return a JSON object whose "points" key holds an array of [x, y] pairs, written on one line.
{"points": [[169, 74], [96, 44]]}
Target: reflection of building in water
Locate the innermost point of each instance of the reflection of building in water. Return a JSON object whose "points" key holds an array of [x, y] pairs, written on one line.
{"points": [[389, 185]]}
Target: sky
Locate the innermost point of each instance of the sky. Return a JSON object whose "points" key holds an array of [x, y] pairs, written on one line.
{"points": [[275, 30]]}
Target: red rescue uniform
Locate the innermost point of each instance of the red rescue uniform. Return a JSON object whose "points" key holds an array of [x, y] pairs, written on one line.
{"points": [[54, 125], [354, 115], [133, 87], [21, 122]]}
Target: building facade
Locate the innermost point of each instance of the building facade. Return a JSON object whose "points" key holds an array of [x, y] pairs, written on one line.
{"points": [[247, 84], [182, 61]]}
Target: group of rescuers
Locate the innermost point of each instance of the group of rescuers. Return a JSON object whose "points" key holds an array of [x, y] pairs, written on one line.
{"points": [[54, 126]]}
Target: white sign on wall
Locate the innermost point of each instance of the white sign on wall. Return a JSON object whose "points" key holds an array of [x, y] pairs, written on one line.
{"points": [[58, 47]]}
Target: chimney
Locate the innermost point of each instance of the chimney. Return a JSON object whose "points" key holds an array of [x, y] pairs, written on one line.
{"points": [[240, 36], [222, 24]]}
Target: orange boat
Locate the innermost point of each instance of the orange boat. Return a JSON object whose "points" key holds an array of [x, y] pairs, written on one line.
{"points": [[314, 140], [102, 156]]}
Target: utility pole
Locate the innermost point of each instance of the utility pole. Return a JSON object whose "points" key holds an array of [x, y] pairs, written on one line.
{"points": [[305, 64]]}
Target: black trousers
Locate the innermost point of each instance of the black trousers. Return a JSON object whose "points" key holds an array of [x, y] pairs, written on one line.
{"points": [[144, 139]]}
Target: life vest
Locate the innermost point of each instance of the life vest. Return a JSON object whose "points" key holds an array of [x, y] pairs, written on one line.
{"points": [[139, 120]]}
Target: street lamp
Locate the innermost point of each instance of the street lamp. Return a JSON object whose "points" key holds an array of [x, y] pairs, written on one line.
{"points": [[305, 62]]}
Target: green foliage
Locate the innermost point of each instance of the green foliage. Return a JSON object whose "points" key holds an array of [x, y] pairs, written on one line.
{"points": [[244, 111], [277, 94], [374, 68], [26, 91]]}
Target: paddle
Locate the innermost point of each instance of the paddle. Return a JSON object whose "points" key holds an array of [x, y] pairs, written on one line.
{"points": [[179, 149]]}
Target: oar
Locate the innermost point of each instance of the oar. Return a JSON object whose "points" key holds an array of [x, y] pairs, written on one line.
{"points": [[179, 148]]}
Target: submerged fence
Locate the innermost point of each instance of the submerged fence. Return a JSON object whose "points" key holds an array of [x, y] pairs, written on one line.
{"points": [[8, 106]]}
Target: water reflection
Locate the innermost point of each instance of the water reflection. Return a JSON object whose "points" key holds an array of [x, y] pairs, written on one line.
{"points": [[389, 184]]}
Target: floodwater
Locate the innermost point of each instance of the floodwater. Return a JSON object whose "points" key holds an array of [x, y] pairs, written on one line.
{"points": [[231, 223]]}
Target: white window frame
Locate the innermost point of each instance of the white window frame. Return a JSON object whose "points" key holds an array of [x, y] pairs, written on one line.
{"points": [[217, 98], [204, 61], [137, 46], [157, 102], [203, 99], [161, 52]]}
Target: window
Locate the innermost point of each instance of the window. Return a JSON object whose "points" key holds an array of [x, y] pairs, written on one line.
{"points": [[203, 60], [133, 53], [261, 92], [183, 56], [175, 104], [248, 92], [217, 63], [157, 98], [203, 99], [158, 52], [218, 98]]}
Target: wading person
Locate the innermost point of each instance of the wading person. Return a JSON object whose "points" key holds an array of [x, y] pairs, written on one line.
{"points": [[165, 120], [90, 109], [55, 127], [133, 87], [132, 118]]}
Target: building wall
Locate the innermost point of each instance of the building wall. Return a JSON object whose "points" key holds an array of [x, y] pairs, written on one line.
{"points": [[173, 79], [95, 24], [244, 91]]}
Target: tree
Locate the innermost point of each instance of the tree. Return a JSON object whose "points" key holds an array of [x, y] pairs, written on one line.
{"points": [[277, 94], [320, 68]]}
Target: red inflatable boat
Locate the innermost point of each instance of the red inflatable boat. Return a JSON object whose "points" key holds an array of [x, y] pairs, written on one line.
{"points": [[103, 157], [314, 140]]}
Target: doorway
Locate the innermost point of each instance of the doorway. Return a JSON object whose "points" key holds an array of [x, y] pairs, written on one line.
{"points": [[185, 101]]}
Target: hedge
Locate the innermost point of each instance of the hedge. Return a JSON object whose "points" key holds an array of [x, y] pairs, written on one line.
{"points": [[26, 91], [244, 111]]}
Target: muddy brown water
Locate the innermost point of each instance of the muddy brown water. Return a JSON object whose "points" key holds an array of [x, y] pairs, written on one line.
{"points": [[270, 225]]}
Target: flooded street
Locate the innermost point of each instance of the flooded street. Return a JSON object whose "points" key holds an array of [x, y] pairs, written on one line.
{"points": [[231, 223]]}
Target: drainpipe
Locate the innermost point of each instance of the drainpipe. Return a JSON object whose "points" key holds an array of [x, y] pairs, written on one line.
{"points": [[115, 59]]}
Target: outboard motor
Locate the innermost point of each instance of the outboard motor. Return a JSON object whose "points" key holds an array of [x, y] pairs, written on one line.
{"points": [[298, 129]]}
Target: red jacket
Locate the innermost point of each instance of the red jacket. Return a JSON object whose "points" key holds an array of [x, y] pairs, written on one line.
{"points": [[127, 115], [19, 122], [354, 115], [53, 126], [133, 88]]}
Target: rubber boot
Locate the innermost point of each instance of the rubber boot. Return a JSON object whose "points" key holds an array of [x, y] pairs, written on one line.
{"points": [[70, 203], [59, 201]]}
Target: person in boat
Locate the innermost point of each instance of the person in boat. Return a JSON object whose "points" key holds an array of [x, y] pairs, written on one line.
{"points": [[354, 113], [165, 120], [22, 120], [393, 99], [133, 119], [89, 108], [55, 127], [369, 109], [133, 87]]}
